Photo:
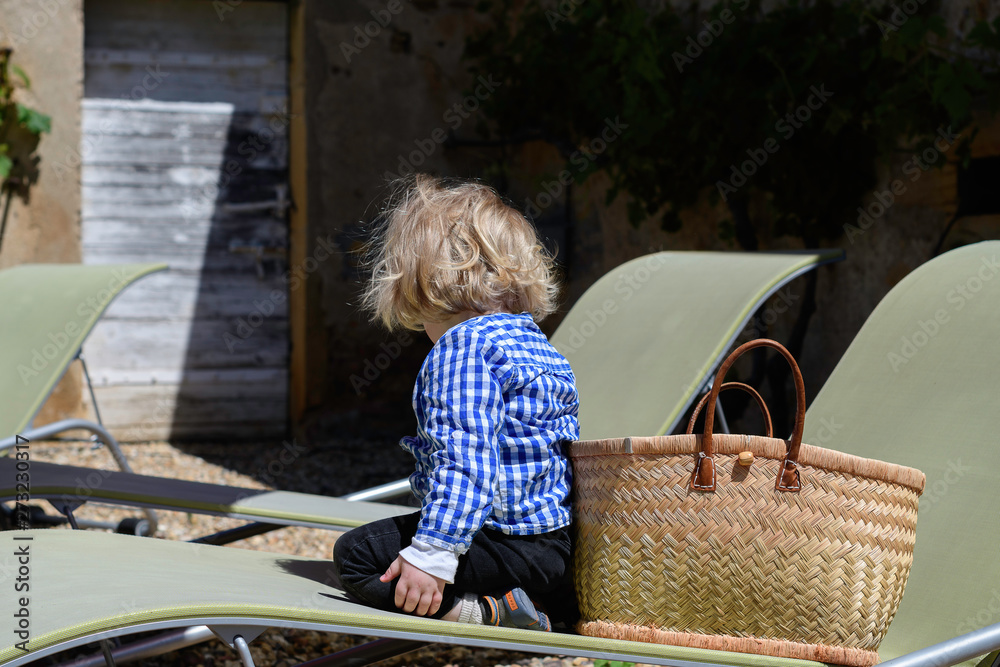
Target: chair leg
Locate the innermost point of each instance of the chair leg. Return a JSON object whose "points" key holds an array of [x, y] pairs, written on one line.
{"points": [[244, 650], [105, 437], [49, 430], [109, 659], [148, 648]]}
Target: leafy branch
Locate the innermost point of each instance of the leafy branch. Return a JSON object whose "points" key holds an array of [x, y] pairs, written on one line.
{"points": [[21, 128], [700, 101], [19, 123], [783, 116]]}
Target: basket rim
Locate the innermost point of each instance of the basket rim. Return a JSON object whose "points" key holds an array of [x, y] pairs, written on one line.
{"points": [[761, 447]]}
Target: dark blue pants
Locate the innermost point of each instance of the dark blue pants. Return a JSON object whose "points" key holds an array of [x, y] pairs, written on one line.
{"points": [[494, 564]]}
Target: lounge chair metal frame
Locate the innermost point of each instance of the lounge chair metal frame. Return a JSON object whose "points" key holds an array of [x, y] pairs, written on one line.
{"points": [[945, 654]]}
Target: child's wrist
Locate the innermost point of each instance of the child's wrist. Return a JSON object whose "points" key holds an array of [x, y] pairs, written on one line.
{"points": [[432, 559]]}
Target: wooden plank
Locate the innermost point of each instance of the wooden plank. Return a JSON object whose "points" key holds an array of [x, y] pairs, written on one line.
{"points": [[169, 73], [137, 120], [153, 177], [172, 411], [244, 430], [251, 187], [307, 365], [246, 60], [260, 380], [196, 210], [182, 259], [184, 25], [190, 402], [170, 152], [183, 296], [124, 345], [246, 92]]}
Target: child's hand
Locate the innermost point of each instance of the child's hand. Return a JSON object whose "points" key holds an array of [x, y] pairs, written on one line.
{"points": [[416, 591]]}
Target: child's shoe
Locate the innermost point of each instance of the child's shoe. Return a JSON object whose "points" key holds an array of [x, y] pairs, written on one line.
{"points": [[514, 610]]}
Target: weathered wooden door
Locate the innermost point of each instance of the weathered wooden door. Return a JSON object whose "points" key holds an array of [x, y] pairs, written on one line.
{"points": [[185, 162]]}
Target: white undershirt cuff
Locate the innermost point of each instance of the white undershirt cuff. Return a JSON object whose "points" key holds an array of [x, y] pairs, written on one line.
{"points": [[442, 563]]}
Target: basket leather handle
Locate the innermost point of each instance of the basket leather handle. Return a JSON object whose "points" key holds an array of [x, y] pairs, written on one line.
{"points": [[735, 385], [703, 477]]}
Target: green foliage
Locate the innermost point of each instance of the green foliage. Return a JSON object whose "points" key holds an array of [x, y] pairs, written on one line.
{"points": [[21, 127], [697, 111], [612, 663]]}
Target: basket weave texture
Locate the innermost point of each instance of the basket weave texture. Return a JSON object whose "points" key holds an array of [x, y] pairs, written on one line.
{"points": [[815, 574]]}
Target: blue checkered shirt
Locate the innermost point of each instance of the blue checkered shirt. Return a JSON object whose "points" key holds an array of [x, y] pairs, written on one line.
{"points": [[495, 405]]}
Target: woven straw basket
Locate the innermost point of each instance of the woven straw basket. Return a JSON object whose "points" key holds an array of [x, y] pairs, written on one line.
{"points": [[802, 553]]}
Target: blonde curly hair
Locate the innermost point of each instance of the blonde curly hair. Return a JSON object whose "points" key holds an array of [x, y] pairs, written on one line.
{"points": [[447, 247]]}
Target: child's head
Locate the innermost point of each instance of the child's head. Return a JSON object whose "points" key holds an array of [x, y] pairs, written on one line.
{"points": [[446, 248]]}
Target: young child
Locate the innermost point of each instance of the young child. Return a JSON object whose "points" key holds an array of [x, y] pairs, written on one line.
{"points": [[495, 406]]}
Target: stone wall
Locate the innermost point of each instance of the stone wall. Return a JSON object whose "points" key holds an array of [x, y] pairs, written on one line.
{"points": [[387, 84], [47, 41]]}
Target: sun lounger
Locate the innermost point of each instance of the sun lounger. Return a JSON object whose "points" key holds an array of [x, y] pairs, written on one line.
{"points": [[919, 387], [934, 411], [48, 311], [67, 487], [647, 337], [132, 584], [642, 341]]}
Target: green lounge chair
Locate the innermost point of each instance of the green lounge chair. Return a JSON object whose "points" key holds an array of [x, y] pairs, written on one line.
{"points": [[933, 412], [623, 338], [647, 337], [918, 386], [48, 311]]}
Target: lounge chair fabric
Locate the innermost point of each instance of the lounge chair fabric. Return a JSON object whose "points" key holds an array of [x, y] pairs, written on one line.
{"points": [[48, 311], [61, 482], [124, 583], [918, 387]]}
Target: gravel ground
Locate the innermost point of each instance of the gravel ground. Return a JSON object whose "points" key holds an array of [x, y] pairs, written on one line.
{"points": [[314, 469]]}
